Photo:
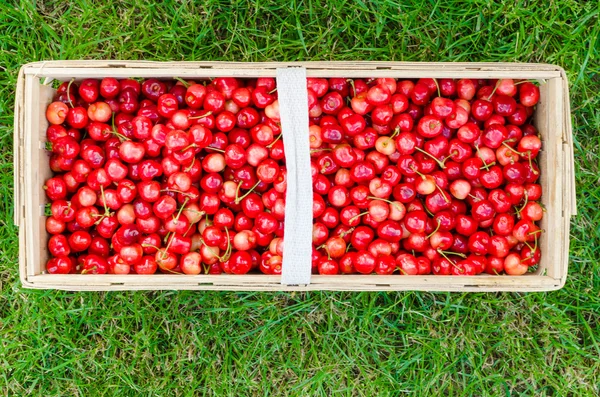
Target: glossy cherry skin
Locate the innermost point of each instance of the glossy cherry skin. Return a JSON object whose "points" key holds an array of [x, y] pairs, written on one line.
{"points": [[240, 262], [482, 210], [513, 265], [58, 245], [529, 94], [364, 262]]}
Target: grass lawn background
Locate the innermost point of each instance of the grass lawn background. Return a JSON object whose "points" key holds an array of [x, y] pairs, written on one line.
{"points": [[220, 343]]}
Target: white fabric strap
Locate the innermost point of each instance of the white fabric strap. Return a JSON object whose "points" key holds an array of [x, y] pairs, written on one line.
{"points": [[293, 111]]}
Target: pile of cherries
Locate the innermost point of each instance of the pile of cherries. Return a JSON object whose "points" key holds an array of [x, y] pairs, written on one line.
{"points": [[412, 176]]}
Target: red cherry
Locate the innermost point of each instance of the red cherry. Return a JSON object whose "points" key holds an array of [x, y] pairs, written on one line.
{"points": [[513, 265], [479, 243], [429, 127], [109, 88], [482, 109], [529, 94], [131, 152]]}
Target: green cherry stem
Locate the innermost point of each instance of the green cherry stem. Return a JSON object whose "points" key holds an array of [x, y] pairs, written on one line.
{"points": [[357, 216], [487, 167], [396, 132], [215, 149], [387, 201], [440, 163], [436, 229], [182, 81], [238, 199], [69, 93], [270, 145]]}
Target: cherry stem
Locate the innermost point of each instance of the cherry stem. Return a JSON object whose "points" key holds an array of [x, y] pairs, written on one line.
{"points": [[215, 149], [181, 209], [106, 210], [191, 165], [227, 253], [176, 191], [477, 199], [511, 149], [171, 271], [343, 234], [454, 153], [428, 212], [524, 81], [446, 253], [351, 81], [270, 145], [387, 201], [487, 167], [220, 258], [238, 199], [494, 90], [396, 132], [69, 93], [201, 213], [535, 232], [150, 245], [438, 87], [170, 240], [201, 116], [97, 215], [357, 216], [320, 150], [120, 136], [436, 229], [86, 271], [535, 172], [182, 81], [273, 90], [440, 163], [237, 190], [191, 145], [416, 169], [443, 254], [446, 199], [114, 131], [101, 216], [454, 253], [519, 210]]}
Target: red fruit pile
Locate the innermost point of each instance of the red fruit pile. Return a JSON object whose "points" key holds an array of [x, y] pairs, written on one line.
{"points": [[418, 177], [178, 177], [427, 176]]}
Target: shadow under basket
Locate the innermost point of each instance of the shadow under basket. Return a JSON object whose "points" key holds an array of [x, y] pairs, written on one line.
{"points": [[552, 118]]}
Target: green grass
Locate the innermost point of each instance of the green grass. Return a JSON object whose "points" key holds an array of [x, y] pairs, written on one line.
{"points": [[217, 343]]}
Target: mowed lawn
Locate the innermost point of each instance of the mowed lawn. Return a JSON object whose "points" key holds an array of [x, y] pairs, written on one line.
{"points": [[56, 343]]}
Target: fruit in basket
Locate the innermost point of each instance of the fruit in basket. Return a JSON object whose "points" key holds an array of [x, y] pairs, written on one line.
{"points": [[410, 177]]}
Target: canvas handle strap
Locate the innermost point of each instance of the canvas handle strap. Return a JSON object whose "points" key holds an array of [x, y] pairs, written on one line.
{"points": [[293, 110]]}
